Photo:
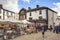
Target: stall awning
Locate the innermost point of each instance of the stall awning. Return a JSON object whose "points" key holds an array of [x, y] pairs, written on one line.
{"points": [[26, 22], [10, 21]]}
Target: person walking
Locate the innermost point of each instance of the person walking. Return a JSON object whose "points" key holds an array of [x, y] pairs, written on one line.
{"points": [[18, 30], [56, 29], [50, 28], [59, 28], [43, 31], [36, 29]]}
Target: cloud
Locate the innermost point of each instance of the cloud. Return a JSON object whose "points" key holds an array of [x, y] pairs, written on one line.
{"points": [[57, 7], [26, 1], [10, 5]]}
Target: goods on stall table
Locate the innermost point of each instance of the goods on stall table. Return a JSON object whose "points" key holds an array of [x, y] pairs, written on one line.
{"points": [[31, 30]]}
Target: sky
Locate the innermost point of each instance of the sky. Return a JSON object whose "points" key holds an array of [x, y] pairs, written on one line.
{"points": [[16, 5]]}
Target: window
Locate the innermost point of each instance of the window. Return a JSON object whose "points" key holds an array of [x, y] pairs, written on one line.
{"points": [[30, 13], [30, 18], [8, 13], [13, 14], [3, 11], [40, 18], [40, 12], [0, 11], [0, 17]]}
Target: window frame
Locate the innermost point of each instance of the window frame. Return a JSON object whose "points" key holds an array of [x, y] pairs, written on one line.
{"points": [[0, 17], [30, 18], [40, 12], [30, 14], [40, 18], [0, 10]]}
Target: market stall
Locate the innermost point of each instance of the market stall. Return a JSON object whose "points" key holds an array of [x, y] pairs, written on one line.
{"points": [[28, 27], [4, 23]]}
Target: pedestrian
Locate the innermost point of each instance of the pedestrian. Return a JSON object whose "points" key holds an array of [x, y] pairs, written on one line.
{"points": [[56, 29], [18, 30], [43, 31], [36, 28], [59, 28], [27, 26], [50, 28]]}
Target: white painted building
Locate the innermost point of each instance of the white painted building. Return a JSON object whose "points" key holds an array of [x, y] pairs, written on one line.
{"points": [[36, 14], [6, 14], [39, 13]]}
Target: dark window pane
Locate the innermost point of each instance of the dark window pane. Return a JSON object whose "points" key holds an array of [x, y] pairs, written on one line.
{"points": [[40, 12], [3, 11], [0, 17], [30, 18], [0, 10], [30, 13], [7, 13], [40, 18]]}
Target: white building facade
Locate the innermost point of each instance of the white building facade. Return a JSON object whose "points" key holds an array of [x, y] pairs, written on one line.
{"points": [[6, 14], [39, 13]]}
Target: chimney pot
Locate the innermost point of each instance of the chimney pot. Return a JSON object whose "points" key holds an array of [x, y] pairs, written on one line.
{"points": [[29, 8], [37, 6]]}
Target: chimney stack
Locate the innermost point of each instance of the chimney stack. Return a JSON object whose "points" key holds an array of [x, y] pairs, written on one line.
{"points": [[29, 8], [37, 6], [1, 6]]}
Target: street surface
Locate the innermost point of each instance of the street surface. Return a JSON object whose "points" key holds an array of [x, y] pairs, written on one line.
{"points": [[38, 36], [0, 38]]}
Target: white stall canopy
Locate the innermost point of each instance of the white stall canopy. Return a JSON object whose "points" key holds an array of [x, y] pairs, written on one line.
{"points": [[12, 21], [15, 21], [26, 22], [4, 21]]}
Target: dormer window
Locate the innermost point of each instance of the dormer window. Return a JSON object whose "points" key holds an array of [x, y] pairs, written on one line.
{"points": [[30, 13], [3, 11], [0, 11], [40, 12]]}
